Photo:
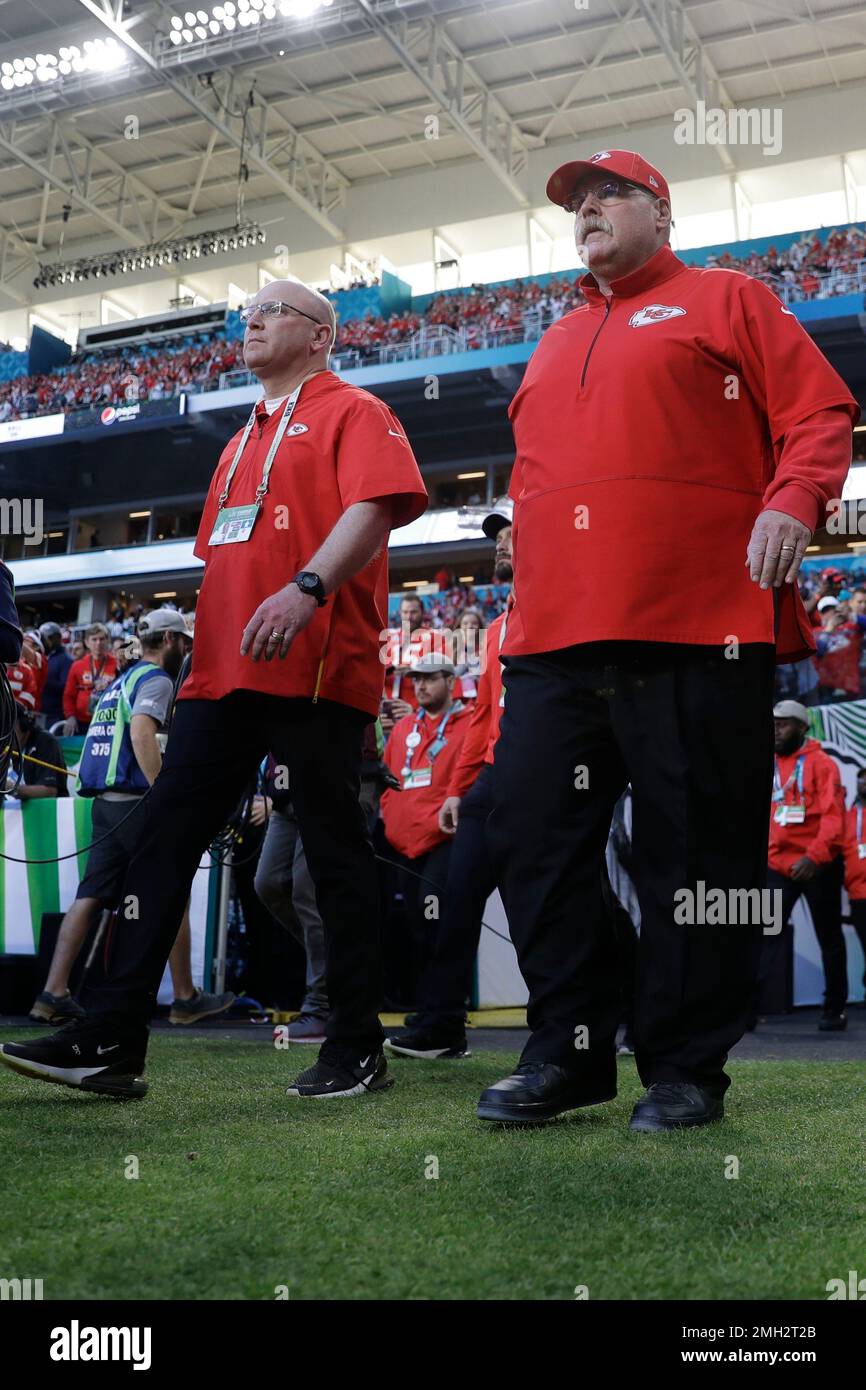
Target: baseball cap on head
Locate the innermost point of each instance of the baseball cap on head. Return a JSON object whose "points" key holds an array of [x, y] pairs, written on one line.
{"points": [[623, 164], [433, 664], [502, 515], [791, 709], [162, 620]]}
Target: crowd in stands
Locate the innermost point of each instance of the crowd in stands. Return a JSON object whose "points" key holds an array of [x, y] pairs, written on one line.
{"points": [[146, 372], [518, 310], [809, 268]]}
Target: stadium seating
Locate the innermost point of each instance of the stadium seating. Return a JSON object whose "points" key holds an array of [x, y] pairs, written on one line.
{"points": [[816, 265]]}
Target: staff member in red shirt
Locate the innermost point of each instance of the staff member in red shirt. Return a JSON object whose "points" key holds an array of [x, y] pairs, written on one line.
{"points": [[439, 1027], [678, 419], [806, 831], [294, 538], [854, 852], [87, 678], [422, 752]]}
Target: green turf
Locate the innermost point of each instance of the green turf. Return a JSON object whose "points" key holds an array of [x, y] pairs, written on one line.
{"points": [[242, 1189]]}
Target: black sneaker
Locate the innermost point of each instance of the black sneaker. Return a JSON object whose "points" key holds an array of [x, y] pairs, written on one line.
{"points": [[538, 1091], [339, 1071], [88, 1056], [832, 1021], [675, 1105], [425, 1044]]}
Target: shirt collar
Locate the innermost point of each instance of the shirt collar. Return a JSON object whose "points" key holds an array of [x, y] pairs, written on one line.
{"points": [[661, 266], [310, 385]]}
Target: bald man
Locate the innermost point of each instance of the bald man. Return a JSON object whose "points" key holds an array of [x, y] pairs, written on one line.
{"points": [[294, 538]]}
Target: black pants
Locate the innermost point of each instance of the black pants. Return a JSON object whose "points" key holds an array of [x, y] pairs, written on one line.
{"points": [[692, 732], [471, 880], [213, 749], [858, 920], [823, 893], [416, 893]]}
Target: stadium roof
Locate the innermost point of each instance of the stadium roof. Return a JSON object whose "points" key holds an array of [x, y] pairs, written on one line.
{"points": [[330, 113]]}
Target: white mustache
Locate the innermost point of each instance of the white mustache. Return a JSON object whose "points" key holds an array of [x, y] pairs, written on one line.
{"points": [[595, 224]]}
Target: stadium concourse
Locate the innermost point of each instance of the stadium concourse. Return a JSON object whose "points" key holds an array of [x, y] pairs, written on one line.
{"points": [[391, 392]]}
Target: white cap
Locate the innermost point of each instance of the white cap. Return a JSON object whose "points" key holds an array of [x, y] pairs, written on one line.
{"points": [[791, 709]]}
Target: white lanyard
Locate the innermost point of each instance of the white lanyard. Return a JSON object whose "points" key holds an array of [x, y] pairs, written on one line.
{"points": [[262, 488]]}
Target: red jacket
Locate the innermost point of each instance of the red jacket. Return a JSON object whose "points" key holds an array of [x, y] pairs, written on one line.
{"points": [[852, 845], [23, 682], [85, 676], [651, 430], [483, 730], [819, 836], [411, 815]]}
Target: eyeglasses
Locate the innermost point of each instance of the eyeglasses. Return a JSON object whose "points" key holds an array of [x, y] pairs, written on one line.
{"points": [[611, 191], [269, 308]]}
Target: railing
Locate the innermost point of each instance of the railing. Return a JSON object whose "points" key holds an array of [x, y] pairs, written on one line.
{"points": [[829, 286]]}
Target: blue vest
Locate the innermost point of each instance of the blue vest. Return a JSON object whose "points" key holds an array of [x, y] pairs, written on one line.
{"points": [[108, 761]]}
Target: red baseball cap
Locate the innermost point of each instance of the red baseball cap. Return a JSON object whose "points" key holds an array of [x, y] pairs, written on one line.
{"points": [[624, 163]]}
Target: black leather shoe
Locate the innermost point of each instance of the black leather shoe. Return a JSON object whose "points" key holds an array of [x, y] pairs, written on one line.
{"points": [[832, 1022], [537, 1091], [675, 1105]]}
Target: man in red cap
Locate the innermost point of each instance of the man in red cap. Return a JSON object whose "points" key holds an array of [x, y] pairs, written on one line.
{"points": [[678, 437]]}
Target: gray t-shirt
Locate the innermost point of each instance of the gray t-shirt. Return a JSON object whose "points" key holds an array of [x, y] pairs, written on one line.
{"points": [[153, 696]]}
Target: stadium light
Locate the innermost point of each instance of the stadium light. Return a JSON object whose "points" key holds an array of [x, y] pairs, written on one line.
{"points": [[98, 55], [189, 26], [161, 253]]}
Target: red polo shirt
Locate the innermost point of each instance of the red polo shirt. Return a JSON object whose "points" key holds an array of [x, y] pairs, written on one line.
{"points": [[352, 449], [411, 815], [651, 429], [486, 717], [854, 852], [23, 683]]}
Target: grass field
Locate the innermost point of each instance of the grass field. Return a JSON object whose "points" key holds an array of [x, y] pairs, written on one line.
{"points": [[241, 1189]]}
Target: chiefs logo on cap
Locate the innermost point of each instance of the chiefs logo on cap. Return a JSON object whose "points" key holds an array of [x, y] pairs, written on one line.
{"points": [[597, 158], [654, 313]]}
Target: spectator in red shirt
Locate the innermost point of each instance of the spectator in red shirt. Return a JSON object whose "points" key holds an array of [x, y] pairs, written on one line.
{"points": [[87, 679], [422, 752], [854, 858], [806, 835], [33, 653], [23, 682], [295, 573], [839, 646]]}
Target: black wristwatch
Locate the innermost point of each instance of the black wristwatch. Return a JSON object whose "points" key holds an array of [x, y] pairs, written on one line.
{"points": [[310, 583]]}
